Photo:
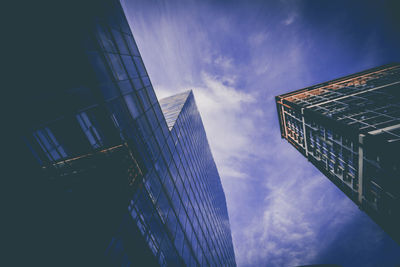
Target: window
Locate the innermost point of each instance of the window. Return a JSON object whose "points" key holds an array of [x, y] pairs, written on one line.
{"points": [[172, 221], [186, 253], [179, 239], [146, 81], [131, 45], [152, 95], [132, 106], [153, 185], [118, 69], [130, 67], [140, 66], [169, 186], [89, 130], [160, 139], [120, 42], [125, 87], [152, 118], [137, 83], [105, 39], [49, 144], [144, 99]]}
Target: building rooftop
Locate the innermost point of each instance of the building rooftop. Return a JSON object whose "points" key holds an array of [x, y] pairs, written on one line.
{"points": [[171, 107]]}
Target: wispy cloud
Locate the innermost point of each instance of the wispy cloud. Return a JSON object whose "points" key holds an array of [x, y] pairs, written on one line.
{"points": [[290, 19], [237, 57]]}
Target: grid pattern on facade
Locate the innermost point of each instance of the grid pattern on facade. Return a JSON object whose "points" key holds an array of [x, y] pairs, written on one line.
{"points": [[366, 102], [349, 128], [201, 182], [178, 205]]}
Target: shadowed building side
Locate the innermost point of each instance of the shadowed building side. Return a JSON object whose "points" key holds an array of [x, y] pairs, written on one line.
{"points": [[104, 179]]}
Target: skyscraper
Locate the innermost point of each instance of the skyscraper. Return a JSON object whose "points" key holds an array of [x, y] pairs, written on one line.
{"points": [[349, 128], [109, 179]]}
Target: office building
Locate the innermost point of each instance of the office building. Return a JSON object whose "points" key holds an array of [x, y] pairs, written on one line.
{"points": [[107, 180], [349, 128]]}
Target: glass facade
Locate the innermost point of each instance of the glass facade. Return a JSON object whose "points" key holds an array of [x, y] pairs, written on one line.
{"points": [[101, 133], [349, 128]]}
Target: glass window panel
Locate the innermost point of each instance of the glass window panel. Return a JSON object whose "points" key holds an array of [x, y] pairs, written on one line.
{"points": [[144, 126], [189, 230], [172, 222], [164, 128], [132, 45], [174, 136], [146, 81], [105, 39], [137, 83], [179, 239], [186, 253], [179, 185], [156, 228], [154, 147], [167, 155], [173, 170], [134, 214], [152, 118], [118, 69], [163, 204], [169, 186], [152, 95], [120, 42], [124, 25], [170, 144], [160, 167], [190, 210], [160, 137], [176, 159], [159, 114], [176, 202], [144, 99], [132, 105], [89, 130], [140, 66], [182, 217], [173, 257], [184, 197], [49, 144], [142, 205], [130, 67], [125, 86], [153, 185]]}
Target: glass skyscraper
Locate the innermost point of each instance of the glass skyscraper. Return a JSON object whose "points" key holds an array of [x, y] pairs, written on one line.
{"points": [[115, 176], [349, 128]]}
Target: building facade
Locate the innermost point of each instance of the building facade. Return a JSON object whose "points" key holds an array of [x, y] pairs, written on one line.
{"points": [[112, 181], [349, 128]]}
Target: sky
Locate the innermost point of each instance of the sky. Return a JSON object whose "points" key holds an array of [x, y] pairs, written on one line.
{"points": [[236, 56]]}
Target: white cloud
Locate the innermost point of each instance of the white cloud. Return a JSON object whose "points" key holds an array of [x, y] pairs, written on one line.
{"points": [[278, 202], [290, 19], [258, 38], [223, 111], [224, 62]]}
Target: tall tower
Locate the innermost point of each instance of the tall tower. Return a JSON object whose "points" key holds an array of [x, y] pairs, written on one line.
{"points": [[106, 181], [349, 128]]}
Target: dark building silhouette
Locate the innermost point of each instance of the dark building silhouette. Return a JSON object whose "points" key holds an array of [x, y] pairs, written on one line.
{"points": [[103, 179], [349, 128]]}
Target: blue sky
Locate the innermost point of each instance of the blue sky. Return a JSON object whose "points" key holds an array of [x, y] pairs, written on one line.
{"points": [[236, 56]]}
